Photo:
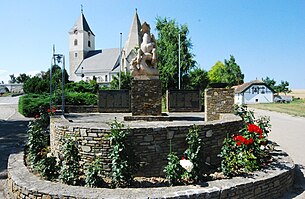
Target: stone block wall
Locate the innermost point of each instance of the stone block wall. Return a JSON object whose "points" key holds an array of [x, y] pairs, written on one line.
{"points": [[151, 145], [217, 101], [146, 96]]}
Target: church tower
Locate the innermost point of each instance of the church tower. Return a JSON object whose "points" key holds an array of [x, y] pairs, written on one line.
{"points": [[81, 41], [134, 41]]}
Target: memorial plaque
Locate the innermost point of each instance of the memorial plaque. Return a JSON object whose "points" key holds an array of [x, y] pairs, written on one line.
{"points": [[114, 101], [184, 101]]}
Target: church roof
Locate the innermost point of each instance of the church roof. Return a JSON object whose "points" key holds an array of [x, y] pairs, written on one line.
{"points": [[100, 61], [81, 24], [134, 36]]}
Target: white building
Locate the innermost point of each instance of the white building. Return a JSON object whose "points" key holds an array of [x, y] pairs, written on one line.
{"points": [[253, 92], [86, 62]]}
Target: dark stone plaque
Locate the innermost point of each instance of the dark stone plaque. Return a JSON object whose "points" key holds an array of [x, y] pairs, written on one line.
{"points": [[184, 101], [113, 101]]}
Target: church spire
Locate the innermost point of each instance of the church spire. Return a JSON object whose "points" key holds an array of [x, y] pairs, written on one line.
{"points": [[134, 36], [81, 24]]}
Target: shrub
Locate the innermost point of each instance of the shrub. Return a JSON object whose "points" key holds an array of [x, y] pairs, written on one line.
{"points": [[70, 168], [47, 167], [122, 165], [29, 104], [94, 174], [82, 87], [190, 168], [74, 98], [246, 151]]}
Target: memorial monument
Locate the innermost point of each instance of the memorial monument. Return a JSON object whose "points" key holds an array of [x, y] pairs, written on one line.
{"points": [[146, 93]]}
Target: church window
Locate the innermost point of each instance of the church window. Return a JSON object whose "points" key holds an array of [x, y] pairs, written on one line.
{"points": [[75, 42], [75, 55], [89, 44], [106, 78], [75, 31]]}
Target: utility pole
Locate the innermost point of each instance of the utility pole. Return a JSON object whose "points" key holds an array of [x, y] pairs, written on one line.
{"points": [[120, 61]]}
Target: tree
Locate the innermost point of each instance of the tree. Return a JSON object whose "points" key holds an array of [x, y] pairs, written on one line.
{"points": [[215, 73], [126, 79], [198, 79], [12, 80], [283, 87], [232, 72], [167, 50], [22, 78], [229, 72]]}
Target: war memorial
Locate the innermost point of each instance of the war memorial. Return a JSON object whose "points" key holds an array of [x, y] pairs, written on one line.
{"points": [[152, 134]]}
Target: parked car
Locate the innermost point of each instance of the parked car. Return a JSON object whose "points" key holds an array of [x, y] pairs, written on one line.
{"points": [[282, 99]]}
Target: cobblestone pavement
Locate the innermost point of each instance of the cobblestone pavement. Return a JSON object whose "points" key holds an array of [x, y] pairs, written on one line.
{"points": [[12, 134], [289, 133]]}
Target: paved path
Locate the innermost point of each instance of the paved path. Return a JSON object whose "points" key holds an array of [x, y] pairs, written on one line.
{"points": [[289, 133], [12, 134]]}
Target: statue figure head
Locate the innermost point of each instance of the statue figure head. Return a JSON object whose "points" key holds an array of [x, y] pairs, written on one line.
{"points": [[145, 28]]}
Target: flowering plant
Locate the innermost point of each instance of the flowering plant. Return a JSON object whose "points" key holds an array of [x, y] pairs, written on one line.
{"points": [[246, 151], [186, 164]]}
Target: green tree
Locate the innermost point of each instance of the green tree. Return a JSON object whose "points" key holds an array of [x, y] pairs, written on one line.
{"points": [[12, 80], [270, 82], [283, 87], [126, 79], [229, 72], [232, 72], [198, 79], [216, 72], [167, 49], [22, 78]]}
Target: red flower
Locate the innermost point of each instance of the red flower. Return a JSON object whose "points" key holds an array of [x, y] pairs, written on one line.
{"points": [[53, 110], [238, 143], [261, 136], [251, 141], [49, 110], [182, 158], [254, 128]]}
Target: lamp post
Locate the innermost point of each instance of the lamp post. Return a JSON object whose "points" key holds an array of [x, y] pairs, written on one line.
{"points": [[179, 72], [58, 59]]}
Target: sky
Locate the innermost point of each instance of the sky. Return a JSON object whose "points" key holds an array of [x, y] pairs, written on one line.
{"points": [[266, 37]]}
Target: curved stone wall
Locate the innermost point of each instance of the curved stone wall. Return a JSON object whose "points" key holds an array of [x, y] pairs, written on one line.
{"points": [[269, 183], [151, 140]]}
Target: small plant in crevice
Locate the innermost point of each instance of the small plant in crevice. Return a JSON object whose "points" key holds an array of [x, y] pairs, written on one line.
{"points": [[123, 159], [70, 166], [94, 174], [48, 167], [249, 150]]}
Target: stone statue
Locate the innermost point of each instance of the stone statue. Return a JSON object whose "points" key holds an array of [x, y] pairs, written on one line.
{"points": [[145, 63]]}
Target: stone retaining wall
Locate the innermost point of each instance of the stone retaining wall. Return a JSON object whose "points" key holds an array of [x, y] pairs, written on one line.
{"points": [[151, 144], [269, 183]]}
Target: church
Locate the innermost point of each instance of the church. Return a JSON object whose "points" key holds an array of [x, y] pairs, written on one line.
{"points": [[87, 63]]}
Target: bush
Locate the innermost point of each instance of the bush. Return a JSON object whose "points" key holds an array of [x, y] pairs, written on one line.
{"points": [[246, 151], [74, 98], [94, 174], [29, 104], [82, 87]]}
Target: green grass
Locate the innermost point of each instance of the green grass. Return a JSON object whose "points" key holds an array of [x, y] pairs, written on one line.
{"points": [[296, 107]]}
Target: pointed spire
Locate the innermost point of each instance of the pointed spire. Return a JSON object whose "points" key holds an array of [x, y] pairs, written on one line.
{"points": [[134, 36], [81, 9], [81, 24]]}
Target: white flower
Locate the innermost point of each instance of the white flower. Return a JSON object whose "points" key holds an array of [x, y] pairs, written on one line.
{"points": [[187, 165], [49, 155]]}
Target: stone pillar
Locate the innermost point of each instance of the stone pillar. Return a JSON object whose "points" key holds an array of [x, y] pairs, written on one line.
{"points": [[218, 100], [146, 97]]}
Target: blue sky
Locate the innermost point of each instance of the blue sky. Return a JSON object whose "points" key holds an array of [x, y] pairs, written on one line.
{"points": [[266, 37]]}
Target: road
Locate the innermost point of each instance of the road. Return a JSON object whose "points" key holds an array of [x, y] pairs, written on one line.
{"points": [[289, 132], [12, 134]]}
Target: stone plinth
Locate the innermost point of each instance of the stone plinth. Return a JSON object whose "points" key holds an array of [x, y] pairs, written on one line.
{"points": [[146, 97]]}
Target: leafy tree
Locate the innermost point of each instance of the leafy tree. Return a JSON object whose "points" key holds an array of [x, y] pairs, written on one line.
{"points": [[283, 87], [198, 79], [12, 80], [167, 49], [229, 72], [215, 74], [126, 79], [233, 73], [22, 78]]}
